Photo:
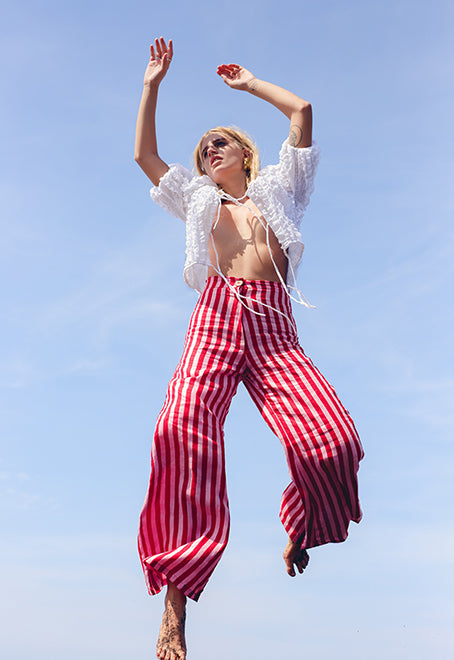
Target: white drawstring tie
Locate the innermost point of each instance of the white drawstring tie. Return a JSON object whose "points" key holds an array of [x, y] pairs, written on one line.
{"points": [[300, 300]]}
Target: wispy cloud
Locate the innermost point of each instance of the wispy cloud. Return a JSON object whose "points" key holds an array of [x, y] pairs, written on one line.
{"points": [[85, 365], [16, 373], [17, 492], [121, 289]]}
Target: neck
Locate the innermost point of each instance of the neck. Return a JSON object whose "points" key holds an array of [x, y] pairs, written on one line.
{"points": [[235, 186]]}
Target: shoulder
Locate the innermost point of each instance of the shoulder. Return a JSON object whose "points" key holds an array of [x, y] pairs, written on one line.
{"points": [[290, 182], [181, 193], [178, 181], [289, 158], [289, 154], [172, 182]]}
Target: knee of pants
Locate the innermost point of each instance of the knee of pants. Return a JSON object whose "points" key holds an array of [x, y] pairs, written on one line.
{"points": [[332, 452], [184, 430]]}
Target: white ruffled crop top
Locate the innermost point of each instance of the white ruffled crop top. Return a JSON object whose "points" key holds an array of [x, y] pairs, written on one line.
{"points": [[281, 192]]}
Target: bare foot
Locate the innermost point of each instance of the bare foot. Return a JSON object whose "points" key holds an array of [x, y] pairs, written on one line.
{"points": [[171, 643], [295, 555]]}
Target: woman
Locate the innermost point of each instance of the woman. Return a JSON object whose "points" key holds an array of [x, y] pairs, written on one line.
{"points": [[243, 248]]}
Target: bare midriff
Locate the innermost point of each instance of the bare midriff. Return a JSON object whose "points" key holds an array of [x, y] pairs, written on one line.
{"points": [[241, 244]]}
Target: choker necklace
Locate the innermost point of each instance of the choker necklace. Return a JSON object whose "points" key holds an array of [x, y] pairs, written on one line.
{"points": [[230, 198]]}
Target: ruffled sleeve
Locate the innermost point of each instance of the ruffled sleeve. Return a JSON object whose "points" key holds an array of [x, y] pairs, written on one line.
{"points": [[296, 171], [172, 191]]}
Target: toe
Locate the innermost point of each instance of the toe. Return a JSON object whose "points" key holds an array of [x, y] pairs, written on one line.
{"points": [[288, 564], [290, 569], [295, 557], [291, 557]]}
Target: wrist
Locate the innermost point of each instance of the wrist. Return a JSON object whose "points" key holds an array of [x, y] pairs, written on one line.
{"points": [[151, 86], [251, 85]]}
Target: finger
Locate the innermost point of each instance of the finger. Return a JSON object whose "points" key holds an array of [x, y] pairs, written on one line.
{"points": [[289, 566], [163, 45], [170, 48], [152, 55], [225, 67], [232, 71], [226, 75], [158, 47]]}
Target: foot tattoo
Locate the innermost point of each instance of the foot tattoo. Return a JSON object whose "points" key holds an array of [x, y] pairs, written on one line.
{"points": [[171, 643]]}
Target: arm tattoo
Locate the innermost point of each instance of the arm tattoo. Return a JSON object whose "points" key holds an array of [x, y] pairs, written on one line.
{"points": [[296, 135]]}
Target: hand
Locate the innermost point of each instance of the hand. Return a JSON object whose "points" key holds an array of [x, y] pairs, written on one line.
{"points": [[160, 58], [235, 76]]}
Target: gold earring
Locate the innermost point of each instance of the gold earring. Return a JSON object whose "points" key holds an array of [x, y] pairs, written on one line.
{"points": [[246, 163]]}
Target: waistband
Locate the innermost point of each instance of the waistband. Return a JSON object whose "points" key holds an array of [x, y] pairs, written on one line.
{"points": [[240, 281], [253, 293]]}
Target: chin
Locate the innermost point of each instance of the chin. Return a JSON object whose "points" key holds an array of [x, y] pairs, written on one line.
{"points": [[217, 178]]}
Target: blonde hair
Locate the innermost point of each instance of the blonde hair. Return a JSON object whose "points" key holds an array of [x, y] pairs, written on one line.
{"points": [[243, 140]]}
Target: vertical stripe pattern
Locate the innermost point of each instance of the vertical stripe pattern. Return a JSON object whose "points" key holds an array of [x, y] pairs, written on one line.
{"points": [[184, 524]]}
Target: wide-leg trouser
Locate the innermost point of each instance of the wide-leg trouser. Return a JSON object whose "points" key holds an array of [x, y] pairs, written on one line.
{"points": [[184, 524]]}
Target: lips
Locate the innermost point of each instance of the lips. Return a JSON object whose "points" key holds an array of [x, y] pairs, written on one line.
{"points": [[214, 160]]}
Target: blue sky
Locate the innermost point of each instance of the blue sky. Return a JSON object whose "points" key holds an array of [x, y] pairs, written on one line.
{"points": [[95, 309]]}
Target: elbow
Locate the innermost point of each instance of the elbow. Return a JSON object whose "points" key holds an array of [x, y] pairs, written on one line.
{"points": [[302, 112], [145, 159], [305, 108], [141, 162]]}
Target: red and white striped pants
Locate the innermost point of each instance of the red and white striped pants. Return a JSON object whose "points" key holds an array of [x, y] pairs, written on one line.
{"points": [[184, 524]]}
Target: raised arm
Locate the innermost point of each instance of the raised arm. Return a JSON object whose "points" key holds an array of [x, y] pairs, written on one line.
{"points": [[295, 108], [146, 147]]}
